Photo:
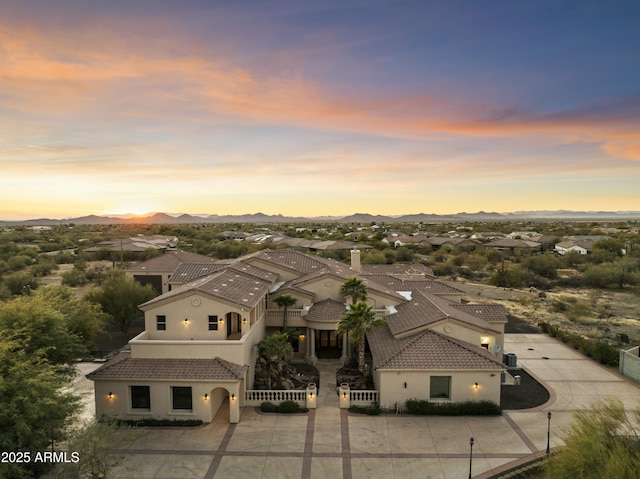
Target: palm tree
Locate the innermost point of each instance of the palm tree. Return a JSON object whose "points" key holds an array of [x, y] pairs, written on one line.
{"points": [[358, 321], [285, 301], [355, 288], [275, 346]]}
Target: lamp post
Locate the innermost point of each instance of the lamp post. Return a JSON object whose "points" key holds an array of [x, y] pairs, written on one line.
{"points": [[548, 431], [470, 455]]}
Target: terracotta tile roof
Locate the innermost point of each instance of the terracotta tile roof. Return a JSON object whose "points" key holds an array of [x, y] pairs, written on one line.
{"points": [[187, 272], [290, 259], [397, 268], [427, 351], [229, 284], [410, 283], [124, 366], [425, 309], [327, 310], [169, 261], [493, 313]]}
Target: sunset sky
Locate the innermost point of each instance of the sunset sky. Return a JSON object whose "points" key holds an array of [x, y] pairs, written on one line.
{"points": [[318, 107]]}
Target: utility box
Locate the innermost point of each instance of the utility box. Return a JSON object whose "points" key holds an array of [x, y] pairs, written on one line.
{"points": [[512, 360]]}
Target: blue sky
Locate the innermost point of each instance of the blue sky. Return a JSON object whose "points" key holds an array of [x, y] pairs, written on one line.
{"points": [[318, 108]]}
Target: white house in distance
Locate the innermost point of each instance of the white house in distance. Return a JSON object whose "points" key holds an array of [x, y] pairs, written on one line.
{"points": [[199, 346]]}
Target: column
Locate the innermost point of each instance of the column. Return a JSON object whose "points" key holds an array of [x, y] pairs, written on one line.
{"points": [[312, 340], [345, 349]]}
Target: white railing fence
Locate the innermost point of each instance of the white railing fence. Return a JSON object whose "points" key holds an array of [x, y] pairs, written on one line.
{"points": [[256, 397]]}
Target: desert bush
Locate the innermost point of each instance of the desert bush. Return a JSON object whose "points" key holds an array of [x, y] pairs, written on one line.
{"points": [[597, 349]]}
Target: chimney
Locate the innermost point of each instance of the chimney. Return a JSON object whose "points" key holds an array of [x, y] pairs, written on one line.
{"points": [[355, 260]]}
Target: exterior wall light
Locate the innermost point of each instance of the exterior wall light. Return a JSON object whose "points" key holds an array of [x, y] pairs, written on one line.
{"points": [[476, 385], [311, 395], [344, 395], [244, 320], [186, 321], [206, 397], [301, 337], [110, 395], [233, 397]]}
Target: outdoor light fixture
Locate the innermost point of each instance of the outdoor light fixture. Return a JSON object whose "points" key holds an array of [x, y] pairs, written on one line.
{"points": [[244, 320], [405, 385], [301, 337], [310, 395], [110, 395], [206, 396], [186, 321], [233, 397], [476, 385], [344, 395]]}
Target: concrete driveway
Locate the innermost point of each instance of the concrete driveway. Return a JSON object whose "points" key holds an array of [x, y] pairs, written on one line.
{"points": [[331, 443]]}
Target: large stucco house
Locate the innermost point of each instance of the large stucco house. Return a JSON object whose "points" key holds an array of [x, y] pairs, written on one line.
{"points": [[199, 346]]}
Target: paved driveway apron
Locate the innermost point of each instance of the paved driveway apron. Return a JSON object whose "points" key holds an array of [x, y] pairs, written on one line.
{"points": [[331, 443]]}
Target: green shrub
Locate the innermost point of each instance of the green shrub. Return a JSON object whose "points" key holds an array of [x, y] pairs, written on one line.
{"points": [[268, 407], [149, 422], [290, 407], [368, 410], [285, 407], [465, 408]]}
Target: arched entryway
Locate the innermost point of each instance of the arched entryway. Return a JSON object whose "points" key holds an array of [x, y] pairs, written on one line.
{"points": [[219, 403]]}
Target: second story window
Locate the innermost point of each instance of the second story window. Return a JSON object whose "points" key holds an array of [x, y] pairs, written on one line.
{"points": [[161, 323], [213, 323]]}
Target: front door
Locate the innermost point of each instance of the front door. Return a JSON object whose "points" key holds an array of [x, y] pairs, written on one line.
{"points": [[328, 344]]}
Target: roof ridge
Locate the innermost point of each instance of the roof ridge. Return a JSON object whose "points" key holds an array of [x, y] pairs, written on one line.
{"points": [[224, 363]]}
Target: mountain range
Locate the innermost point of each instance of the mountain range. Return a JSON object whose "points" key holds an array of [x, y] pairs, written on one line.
{"points": [[481, 216]]}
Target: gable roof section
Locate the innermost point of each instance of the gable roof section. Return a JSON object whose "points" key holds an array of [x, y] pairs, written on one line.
{"points": [[427, 351], [187, 272], [327, 310], [397, 268], [228, 284], [169, 262], [493, 313], [124, 366], [289, 259], [404, 282], [424, 310]]}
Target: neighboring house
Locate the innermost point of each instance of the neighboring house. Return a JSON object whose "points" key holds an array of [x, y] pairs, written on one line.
{"points": [[136, 244], [404, 240], [157, 271], [199, 346], [577, 246], [449, 243], [513, 245], [489, 235]]}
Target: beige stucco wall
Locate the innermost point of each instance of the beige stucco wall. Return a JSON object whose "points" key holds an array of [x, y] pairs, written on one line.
{"points": [[392, 385], [197, 308], [160, 393]]}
